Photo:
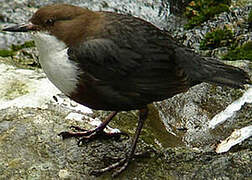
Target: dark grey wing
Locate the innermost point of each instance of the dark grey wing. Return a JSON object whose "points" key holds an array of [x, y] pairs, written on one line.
{"points": [[105, 68], [131, 63], [103, 59], [126, 79]]}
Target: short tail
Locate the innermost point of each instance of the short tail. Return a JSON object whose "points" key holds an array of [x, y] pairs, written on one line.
{"points": [[210, 70]]}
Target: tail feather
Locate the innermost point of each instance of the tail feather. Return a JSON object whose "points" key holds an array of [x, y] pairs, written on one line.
{"points": [[211, 70]]}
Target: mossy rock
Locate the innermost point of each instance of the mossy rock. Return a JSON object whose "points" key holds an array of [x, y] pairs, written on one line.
{"points": [[217, 38], [14, 48], [27, 44], [243, 52], [6, 52], [199, 11], [250, 19]]}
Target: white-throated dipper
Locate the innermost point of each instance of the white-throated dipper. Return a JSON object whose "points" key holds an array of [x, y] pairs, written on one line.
{"points": [[115, 62]]}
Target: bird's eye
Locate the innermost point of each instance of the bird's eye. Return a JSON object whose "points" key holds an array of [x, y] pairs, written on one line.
{"points": [[49, 22]]}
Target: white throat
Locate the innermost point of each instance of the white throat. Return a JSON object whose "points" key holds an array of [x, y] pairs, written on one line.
{"points": [[55, 63]]}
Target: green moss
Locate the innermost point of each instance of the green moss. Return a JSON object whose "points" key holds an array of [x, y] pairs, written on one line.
{"points": [[18, 56], [240, 3], [15, 48], [243, 52], [20, 63], [199, 11], [217, 38], [250, 17], [15, 163], [27, 44], [15, 89], [6, 53]]}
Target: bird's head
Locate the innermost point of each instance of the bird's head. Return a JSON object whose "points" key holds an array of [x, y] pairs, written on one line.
{"points": [[66, 22]]}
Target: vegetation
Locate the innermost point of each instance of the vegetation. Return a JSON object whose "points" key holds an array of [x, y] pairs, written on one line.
{"points": [[250, 19], [225, 38], [27, 44], [6, 53], [199, 11], [243, 52], [15, 48], [217, 38]]}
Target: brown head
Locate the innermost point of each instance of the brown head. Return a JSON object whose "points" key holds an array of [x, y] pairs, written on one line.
{"points": [[66, 22]]}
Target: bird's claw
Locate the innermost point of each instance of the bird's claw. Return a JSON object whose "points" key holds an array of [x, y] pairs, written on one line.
{"points": [[102, 135], [77, 128], [122, 165], [79, 132], [90, 135]]}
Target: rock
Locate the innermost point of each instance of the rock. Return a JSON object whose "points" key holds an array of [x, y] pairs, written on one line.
{"points": [[187, 115], [31, 148]]}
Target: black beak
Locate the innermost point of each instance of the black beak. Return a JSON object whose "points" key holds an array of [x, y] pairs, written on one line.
{"points": [[21, 28]]}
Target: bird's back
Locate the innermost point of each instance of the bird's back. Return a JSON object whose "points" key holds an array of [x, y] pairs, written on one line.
{"points": [[134, 63]]}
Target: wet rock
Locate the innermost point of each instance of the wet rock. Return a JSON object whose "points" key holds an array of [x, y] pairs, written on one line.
{"points": [[31, 148], [187, 115]]}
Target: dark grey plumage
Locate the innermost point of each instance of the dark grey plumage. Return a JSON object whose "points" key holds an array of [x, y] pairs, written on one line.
{"points": [[133, 63]]}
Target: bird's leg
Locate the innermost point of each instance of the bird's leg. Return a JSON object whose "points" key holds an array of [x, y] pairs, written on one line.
{"points": [[123, 163], [88, 135]]}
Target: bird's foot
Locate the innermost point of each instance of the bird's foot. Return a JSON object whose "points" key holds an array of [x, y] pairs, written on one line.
{"points": [[121, 163], [119, 167], [90, 135]]}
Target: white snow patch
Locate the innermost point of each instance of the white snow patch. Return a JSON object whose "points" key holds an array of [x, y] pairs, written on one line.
{"points": [[231, 109], [236, 137]]}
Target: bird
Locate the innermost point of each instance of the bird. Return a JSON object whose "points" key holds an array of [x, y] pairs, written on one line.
{"points": [[116, 62]]}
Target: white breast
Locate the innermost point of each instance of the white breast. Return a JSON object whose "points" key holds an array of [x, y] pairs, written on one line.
{"points": [[55, 63]]}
